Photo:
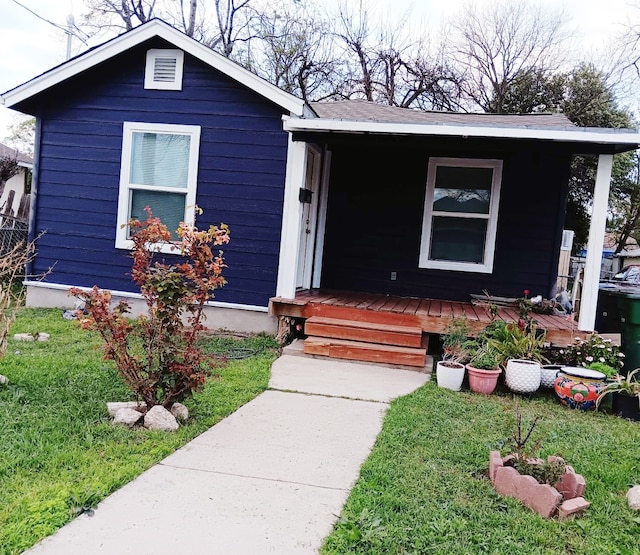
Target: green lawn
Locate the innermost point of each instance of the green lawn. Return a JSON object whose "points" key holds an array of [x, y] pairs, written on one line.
{"points": [[424, 489], [58, 451]]}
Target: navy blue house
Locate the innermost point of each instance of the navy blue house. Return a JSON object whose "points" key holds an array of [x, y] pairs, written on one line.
{"points": [[346, 195]]}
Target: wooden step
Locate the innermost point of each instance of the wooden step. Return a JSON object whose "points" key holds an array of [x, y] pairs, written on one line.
{"points": [[361, 315], [366, 352], [369, 332]]}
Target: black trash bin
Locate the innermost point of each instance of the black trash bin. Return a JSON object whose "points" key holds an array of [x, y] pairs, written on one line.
{"points": [[607, 311], [629, 306]]}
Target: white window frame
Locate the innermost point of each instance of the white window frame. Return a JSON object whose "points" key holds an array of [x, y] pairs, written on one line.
{"points": [[491, 217], [149, 72], [124, 195]]}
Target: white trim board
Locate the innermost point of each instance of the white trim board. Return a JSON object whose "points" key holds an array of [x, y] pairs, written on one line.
{"points": [[130, 295], [149, 30], [629, 138]]}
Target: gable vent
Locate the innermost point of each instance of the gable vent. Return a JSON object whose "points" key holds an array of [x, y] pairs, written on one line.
{"points": [[164, 69]]}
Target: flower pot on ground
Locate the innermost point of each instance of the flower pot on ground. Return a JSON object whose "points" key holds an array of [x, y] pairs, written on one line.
{"points": [[548, 374], [450, 374], [522, 376], [450, 370], [483, 369], [579, 388], [625, 391]]}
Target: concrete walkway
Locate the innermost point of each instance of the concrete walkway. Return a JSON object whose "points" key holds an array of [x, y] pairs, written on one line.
{"points": [[270, 478]]}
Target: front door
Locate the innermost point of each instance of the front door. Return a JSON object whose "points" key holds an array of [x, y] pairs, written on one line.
{"points": [[309, 215]]}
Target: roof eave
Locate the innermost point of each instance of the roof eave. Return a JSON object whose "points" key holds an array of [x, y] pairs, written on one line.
{"points": [[625, 140], [137, 36]]}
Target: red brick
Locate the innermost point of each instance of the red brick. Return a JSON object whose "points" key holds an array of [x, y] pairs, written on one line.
{"points": [[495, 461], [506, 480], [571, 485], [543, 499], [572, 506]]}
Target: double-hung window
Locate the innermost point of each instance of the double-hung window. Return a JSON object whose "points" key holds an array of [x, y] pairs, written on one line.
{"points": [[460, 214], [158, 169]]}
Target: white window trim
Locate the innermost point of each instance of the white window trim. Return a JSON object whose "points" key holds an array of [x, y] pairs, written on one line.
{"points": [[492, 217], [124, 195], [152, 55]]}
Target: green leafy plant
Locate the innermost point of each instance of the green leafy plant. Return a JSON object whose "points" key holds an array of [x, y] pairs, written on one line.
{"points": [[483, 356], [627, 385], [454, 341], [157, 353], [514, 341], [587, 352]]}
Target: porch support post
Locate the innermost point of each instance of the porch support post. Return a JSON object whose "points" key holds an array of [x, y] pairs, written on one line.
{"points": [[290, 234], [589, 295]]}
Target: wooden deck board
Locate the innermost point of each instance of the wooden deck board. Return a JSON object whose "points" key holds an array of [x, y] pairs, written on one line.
{"points": [[432, 314]]}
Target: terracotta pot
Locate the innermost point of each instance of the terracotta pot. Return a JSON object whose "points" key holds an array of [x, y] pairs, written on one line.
{"points": [[450, 375], [522, 376], [483, 381], [578, 388]]}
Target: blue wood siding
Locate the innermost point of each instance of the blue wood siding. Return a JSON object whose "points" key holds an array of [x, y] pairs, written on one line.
{"points": [[374, 220], [241, 171]]}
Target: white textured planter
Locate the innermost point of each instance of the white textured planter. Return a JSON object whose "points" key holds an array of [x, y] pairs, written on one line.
{"points": [[548, 374], [450, 375], [522, 376]]}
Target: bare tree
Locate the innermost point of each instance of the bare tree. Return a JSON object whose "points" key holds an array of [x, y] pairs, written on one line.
{"points": [[494, 44], [232, 24], [119, 14]]}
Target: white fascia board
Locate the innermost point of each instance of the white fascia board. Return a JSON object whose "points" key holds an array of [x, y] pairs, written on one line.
{"points": [[137, 36], [579, 134]]}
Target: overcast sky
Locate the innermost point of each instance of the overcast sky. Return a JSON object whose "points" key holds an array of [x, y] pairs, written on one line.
{"points": [[31, 46]]}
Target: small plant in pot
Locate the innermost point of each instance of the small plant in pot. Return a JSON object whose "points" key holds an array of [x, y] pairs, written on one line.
{"points": [[483, 368], [625, 391], [519, 347], [450, 370]]}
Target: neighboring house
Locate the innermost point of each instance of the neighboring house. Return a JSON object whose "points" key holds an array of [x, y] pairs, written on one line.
{"points": [[348, 195], [15, 201], [13, 194]]}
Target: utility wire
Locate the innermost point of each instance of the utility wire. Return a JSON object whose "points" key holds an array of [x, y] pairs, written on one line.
{"points": [[60, 27]]}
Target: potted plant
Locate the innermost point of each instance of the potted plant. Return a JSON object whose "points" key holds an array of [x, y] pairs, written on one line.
{"points": [[450, 370], [625, 392], [519, 347], [483, 369]]}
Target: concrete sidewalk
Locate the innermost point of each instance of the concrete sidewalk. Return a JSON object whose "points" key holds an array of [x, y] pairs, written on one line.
{"points": [[270, 478]]}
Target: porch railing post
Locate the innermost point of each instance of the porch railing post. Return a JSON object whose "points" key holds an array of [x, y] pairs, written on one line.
{"points": [[589, 297]]}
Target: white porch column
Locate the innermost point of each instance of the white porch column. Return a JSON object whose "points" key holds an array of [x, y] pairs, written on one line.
{"points": [[589, 296], [290, 235]]}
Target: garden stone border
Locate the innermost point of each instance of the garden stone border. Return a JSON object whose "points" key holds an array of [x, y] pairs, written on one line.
{"points": [[563, 500]]}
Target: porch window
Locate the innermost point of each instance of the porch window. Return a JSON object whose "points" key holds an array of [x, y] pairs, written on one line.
{"points": [[460, 214], [158, 169]]}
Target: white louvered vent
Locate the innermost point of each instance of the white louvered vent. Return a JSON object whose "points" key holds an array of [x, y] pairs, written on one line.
{"points": [[164, 69]]}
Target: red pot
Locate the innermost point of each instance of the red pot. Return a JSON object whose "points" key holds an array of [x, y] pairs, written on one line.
{"points": [[482, 381]]}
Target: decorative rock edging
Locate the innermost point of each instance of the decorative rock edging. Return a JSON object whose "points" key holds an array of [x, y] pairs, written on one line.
{"points": [[31, 336], [130, 413], [565, 499], [633, 498]]}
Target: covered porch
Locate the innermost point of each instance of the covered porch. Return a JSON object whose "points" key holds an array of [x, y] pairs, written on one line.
{"points": [[390, 314]]}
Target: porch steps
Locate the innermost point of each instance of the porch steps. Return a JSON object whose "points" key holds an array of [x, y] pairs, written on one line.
{"points": [[365, 340], [369, 332]]}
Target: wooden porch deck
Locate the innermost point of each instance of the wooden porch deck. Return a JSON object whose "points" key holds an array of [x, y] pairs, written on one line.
{"points": [[433, 315]]}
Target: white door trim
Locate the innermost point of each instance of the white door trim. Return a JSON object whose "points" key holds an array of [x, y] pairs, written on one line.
{"points": [[322, 218]]}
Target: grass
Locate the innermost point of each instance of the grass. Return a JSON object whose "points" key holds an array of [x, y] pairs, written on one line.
{"points": [[59, 454], [425, 489]]}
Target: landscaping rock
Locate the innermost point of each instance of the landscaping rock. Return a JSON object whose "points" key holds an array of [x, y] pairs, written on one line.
{"points": [[23, 337], [544, 500], [114, 407], [43, 336], [506, 480], [574, 506], [571, 485], [633, 497], [180, 411], [3, 380], [525, 487], [159, 418], [128, 417], [495, 462]]}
